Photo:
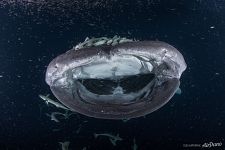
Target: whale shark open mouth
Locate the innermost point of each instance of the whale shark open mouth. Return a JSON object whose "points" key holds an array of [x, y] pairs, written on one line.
{"points": [[122, 81], [119, 86], [115, 80]]}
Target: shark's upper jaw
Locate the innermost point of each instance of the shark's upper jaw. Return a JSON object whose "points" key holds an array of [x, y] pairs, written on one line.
{"points": [[113, 67], [125, 81]]}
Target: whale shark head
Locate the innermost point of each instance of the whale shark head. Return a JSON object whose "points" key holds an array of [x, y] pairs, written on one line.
{"points": [[126, 80]]}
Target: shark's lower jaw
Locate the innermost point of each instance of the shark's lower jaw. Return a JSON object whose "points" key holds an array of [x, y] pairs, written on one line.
{"points": [[124, 91]]}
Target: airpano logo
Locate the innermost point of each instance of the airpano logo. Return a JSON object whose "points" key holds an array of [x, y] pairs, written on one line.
{"points": [[193, 145], [211, 144], [204, 145]]}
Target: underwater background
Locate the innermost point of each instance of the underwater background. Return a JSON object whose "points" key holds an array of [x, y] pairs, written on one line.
{"points": [[32, 33]]}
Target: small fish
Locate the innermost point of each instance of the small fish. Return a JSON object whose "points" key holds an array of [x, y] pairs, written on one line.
{"points": [[78, 130], [86, 39], [109, 42], [101, 42], [65, 145], [54, 114], [67, 114], [114, 43], [134, 147], [48, 100], [85, 148], [123, 40], [89, 42], [113, 139], [53, 117]]}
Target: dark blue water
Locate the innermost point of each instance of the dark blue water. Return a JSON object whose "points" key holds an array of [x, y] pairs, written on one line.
{"points": [[30, 38]]}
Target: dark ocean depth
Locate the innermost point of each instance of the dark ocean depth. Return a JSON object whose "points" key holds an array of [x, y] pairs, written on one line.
{"points": [[33, 33]]}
